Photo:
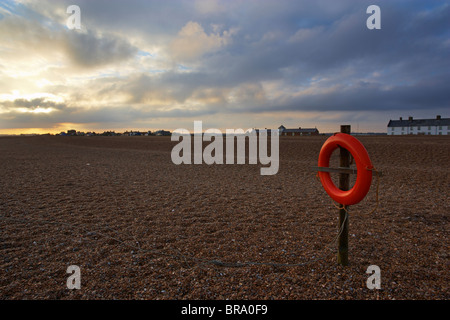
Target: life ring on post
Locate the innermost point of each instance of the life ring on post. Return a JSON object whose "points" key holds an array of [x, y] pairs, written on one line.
{"points": [[363, 166]]}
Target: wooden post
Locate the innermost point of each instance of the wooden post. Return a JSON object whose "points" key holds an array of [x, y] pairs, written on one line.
{"points": [[344, 184]]}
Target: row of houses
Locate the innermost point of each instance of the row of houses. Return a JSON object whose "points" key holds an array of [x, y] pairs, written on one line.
{"points": [[298, 132], [410, 126], [148, 133], [437, 126], [283, 131], [113, 133]]}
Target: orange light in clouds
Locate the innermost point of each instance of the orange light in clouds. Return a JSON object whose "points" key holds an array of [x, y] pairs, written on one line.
{"points": [[53, 130], [18, 131]]}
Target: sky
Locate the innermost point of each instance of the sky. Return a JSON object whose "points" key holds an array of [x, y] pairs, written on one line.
{"points": [[150, 65]]}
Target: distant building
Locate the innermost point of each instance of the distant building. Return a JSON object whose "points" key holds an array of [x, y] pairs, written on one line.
{"points": [[162, 133], [132, 133], [109, 133], [437, 126], [298, 132]]}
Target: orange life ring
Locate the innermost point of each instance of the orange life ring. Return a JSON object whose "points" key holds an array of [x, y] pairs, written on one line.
{"points": [[363, 167]]}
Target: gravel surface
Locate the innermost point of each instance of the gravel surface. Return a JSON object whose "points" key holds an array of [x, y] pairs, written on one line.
{"points": [[140, 227]]}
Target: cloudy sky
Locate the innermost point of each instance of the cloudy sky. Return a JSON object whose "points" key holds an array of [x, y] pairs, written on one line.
{"points": [[147, 65]]}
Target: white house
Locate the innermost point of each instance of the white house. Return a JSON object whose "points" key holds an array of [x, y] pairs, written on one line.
{"points": [[437, 126]]}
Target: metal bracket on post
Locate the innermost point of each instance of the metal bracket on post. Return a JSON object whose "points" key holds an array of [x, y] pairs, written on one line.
{"points": [[336, 170]]}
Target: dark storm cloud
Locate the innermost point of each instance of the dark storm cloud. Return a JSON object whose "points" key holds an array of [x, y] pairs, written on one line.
{"points": [[83, 49], [410, 56], [31, 104], [90, 50], [374, 97], [327, 50]]}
